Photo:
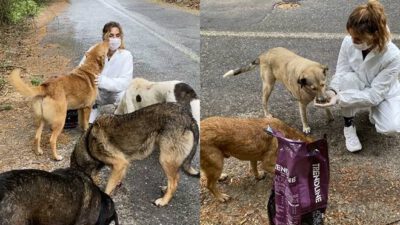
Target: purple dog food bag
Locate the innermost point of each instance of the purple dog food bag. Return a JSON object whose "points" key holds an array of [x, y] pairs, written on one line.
{"points": [[300, 190]]}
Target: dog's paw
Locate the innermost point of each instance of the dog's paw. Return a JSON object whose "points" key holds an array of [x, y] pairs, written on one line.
{"points": [[192, 172], [160, 202], [223, 197], [223, 177], [268, 115], [39, 151], [307, 130], [58, 157], [261, 175]]}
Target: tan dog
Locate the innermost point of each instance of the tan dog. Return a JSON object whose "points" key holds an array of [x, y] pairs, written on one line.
{"points": [[305, 79], [54, 97], [244, 139]]}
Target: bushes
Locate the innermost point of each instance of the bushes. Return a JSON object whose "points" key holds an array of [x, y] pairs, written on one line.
{"points": [[15, 11]]}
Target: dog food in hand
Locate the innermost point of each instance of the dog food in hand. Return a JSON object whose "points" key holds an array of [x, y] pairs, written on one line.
{"points": [[322, 101]]}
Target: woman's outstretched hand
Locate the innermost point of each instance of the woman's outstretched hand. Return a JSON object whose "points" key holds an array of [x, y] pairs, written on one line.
{"points": [[332, 100]]}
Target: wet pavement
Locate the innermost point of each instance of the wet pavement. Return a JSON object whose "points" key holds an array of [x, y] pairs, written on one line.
{"points": [[241, 95], [165, 45]]}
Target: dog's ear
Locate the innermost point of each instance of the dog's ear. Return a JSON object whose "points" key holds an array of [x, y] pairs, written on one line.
{"points": [[302, 82], [106, 46], [325, 69], [106, 43], [149, 86]]}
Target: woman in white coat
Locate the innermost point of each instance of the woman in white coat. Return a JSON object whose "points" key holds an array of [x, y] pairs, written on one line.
{"points": [[367, 74], [117, 72]]}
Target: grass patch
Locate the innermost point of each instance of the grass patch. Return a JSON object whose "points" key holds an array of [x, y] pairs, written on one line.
{"points": [[36, 80], [6, 107], [16, 11], [2, 82]]}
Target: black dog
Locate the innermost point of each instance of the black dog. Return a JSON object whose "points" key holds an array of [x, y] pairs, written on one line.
{"points": [[64, 196]]}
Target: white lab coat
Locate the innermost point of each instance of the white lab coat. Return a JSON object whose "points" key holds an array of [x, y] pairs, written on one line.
{"points": [[370, 83], [117, 72], [114, 79]]}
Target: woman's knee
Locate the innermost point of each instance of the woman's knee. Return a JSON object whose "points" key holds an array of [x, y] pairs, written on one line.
{"points": [[386, 124], [392, 128], [387, 116]]}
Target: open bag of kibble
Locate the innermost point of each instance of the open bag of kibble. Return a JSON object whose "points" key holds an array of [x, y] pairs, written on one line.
{"points": [[300, 191]]}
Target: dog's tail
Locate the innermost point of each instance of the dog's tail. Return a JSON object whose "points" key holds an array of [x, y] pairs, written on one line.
{"points": [[22, 87], [187, 164], [247, 68], [195, 108]]}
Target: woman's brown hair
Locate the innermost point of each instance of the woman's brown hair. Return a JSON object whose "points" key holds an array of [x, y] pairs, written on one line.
{"points": [[107, 29], [370, 19]]}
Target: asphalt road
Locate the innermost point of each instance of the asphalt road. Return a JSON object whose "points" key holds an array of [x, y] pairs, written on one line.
{"points": [[234, 33], [165, 45]]}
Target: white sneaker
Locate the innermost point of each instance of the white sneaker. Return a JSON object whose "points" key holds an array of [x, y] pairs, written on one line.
{"points": [[93, 115], [371, 118], [352, 142]]}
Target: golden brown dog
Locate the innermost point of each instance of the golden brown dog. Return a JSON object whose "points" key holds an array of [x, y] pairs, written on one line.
{"points": [[244, 139], [305, 79], [54, 97]]}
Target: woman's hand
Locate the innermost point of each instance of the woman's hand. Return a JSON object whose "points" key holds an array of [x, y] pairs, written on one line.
{"points": [[332, 100]]}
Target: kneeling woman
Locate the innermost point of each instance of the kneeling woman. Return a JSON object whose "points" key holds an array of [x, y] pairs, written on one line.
{"points": [[367, 74]]}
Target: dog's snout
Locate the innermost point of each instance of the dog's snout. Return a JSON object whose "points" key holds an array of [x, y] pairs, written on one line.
{"points": [[138, 98], [321, 98]]}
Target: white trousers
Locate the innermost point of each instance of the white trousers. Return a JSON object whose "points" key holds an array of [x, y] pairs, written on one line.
{"points": [[386, 115], [104, 98]]}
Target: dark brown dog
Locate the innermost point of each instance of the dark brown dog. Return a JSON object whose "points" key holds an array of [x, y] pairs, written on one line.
{"points": [[62, 197], [243, 139], [117, 140], [54, 97]]}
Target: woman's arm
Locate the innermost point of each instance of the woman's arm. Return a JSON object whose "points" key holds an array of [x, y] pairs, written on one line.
{"points": [[121, 82], [343, 66], [376, 93]]}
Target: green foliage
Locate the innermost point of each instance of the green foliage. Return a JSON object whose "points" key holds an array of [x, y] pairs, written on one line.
{"points": [[36, 80], [42, 2], [2, 82], [15, 11], [5, 107]]}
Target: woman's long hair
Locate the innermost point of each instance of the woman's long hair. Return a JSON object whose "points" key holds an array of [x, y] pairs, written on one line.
{"points": [[370, 19]]}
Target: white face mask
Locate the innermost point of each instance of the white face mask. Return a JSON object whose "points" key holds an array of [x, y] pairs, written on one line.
{"points": [[362, 47], [115, 43]]}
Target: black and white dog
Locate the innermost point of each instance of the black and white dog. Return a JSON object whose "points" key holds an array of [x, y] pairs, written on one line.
{"points": [[142, 93]]}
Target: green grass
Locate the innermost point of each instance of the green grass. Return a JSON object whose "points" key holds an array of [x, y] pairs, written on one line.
{"points": [[36, 80], [5, 107], [16, 11], [2, 82]]}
